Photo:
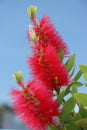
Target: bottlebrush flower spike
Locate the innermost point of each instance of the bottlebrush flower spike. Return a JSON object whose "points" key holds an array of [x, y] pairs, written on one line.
{"points": [[35, 105], [47, 34], [47, 66]]}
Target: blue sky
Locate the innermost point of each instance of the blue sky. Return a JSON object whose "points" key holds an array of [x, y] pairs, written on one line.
{"points": [[70, 19]]}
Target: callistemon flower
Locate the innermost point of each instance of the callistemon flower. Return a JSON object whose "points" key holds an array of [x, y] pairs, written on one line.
{"points": [[47, 34], [47, 66], [34, 104]]}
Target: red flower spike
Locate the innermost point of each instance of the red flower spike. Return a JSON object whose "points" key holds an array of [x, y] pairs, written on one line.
{"points": [[47, 67], [48, 35], [35, 105]]}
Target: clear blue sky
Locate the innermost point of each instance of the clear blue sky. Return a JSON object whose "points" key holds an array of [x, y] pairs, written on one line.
{"points": [[70, 19]]}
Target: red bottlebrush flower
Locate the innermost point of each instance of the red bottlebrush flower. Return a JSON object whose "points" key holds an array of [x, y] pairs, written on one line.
{"points": [[47, 66], [47, 34], [35, 105]]}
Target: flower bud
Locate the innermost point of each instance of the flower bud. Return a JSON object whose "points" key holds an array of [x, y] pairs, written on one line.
{"points": [[32, 11], [18, 77], [32, 35]]}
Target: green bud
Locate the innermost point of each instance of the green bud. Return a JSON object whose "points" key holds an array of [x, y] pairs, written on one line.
{"points": [[33, 37], [32, 11], [18, 76]]}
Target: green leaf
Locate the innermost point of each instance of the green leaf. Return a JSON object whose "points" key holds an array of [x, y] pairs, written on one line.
{"points": [[74, 89], [82, 123], [73, 85], [85, 76], [70, 63], [60, 96], [78, 75], [83, 68], [76, 117], [77, 84], [72, 126], [81, 98], [52, 127], [85, 107], [67, 89], [83, 111], [67, 109], [72, 71], [84, 71]]}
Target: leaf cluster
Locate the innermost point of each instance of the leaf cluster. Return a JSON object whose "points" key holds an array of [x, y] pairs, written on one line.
{"points": [[74, 106]]}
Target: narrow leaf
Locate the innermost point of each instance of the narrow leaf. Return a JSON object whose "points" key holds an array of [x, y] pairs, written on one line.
{"points": [[68, 107], [85, 76], [72, 126], [76, 117], [74, 89], [60, 96], [85, 107], [83, 68], [82, 123], [77, 84], [67, 90], [70, 63], [72, 71], [83, 111], [78, 75], [81, 98]]}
